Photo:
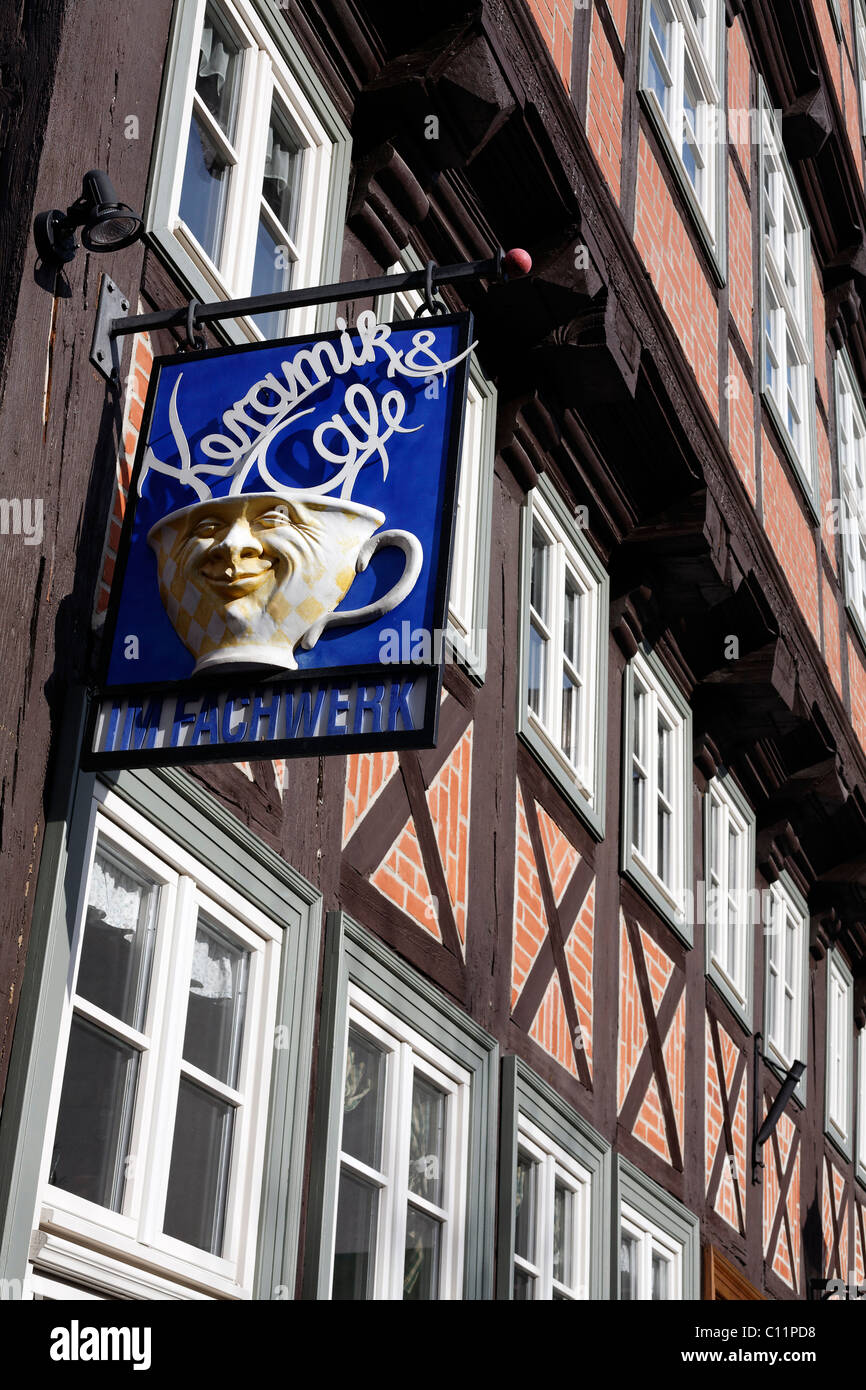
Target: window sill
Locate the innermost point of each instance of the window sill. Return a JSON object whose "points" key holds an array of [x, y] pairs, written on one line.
{"points": [[657, 896], [591, 812], [806, 486], [841, 1144], [713, 248], [125, 1251], [742, 1008], [858, 624]]}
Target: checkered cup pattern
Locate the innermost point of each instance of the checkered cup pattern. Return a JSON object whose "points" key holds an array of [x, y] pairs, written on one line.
{"points": [[303, 569]]}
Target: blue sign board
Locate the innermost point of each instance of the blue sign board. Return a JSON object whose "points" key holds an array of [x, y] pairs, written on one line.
{"points": [[292, 503]]}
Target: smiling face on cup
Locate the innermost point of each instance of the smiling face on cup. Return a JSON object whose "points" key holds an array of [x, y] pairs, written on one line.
{"points": [[248, 551], [243, 578]]}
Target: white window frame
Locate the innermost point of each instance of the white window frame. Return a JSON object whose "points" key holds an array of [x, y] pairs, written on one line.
{"points": [[555, 1167], [786, 307], [696, 44], [786, 975], [470, 562], [134, 1234], [851, 448], [662, 1226], [640, 861], [408, 1053], [861, 1105], [860, 41], [569, 557], [274, 70], [729, 888], [839, 1073], [652, 1241]]}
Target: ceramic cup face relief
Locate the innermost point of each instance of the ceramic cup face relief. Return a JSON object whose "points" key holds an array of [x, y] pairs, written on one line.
{"points": [[244, 579]]}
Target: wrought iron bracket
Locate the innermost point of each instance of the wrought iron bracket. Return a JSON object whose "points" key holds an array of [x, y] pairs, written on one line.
{"points": [[111, 325]]}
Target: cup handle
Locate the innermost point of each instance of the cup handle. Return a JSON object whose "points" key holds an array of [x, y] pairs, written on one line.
{"points": [[411, 548]]}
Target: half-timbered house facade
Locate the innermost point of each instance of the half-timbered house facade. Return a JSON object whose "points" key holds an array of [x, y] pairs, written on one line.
{"points": [[500, 1018]]}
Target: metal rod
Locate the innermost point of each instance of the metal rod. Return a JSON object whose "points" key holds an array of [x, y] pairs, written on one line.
{"points": [[321, 294]]}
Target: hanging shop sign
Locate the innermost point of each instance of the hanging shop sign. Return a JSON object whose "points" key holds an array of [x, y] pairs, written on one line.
{"points": [[290, 503]]}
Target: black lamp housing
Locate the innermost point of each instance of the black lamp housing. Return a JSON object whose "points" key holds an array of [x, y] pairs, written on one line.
{"points": [[761, 1132], [106, 223]]}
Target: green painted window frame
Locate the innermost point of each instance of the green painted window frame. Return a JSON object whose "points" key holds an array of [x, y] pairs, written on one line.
{"points": [[712, 239], [805, 470], [524, 1093], [743, 1008], [774, 1060], [591, 809], [663, 1210], [846, 384], [354, 956], [843, 1141], [170, 138], [185, 811], [647, 882], [860, 1109]]}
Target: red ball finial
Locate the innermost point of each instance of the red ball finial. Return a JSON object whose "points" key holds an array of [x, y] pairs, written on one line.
{"points": [[516, 263]]}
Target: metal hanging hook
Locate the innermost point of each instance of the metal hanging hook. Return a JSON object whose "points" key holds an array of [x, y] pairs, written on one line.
{"points": [[431, 304], [195, 342]]}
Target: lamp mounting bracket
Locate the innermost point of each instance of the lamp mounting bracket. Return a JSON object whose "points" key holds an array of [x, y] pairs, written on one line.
{"points": [[105, 347]]}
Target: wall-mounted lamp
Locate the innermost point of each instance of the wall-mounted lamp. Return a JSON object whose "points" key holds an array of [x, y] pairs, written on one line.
{"points": [[761, 1132], [106, 223]]}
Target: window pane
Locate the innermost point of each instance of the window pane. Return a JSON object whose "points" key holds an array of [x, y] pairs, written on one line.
{"points": [[524, 1286], [691, 102], [200, 1160], [281, 181], [639, 707], [421, 1268], [563, 1234], [217, 1004], [663, 866], [524, 1208], [571, 633], [204, 191], [638, 801], [657, 80], [272, 273], [537, 669], [219, 67], [659, 27], [427, 1141], [114, 972], [91, 1143], [788, 1026], [538, 580], [637, 810], [661, 1269], [790, 950], [664, 759], [628, 1266], [364, 1099], [355, 1247], [570, 718]]}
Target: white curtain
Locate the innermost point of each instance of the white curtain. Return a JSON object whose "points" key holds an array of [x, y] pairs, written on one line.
{"points": [[278, 163], [115, 897], [214, 60], [212, 975]]}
